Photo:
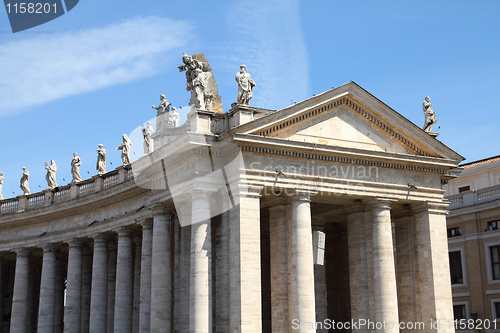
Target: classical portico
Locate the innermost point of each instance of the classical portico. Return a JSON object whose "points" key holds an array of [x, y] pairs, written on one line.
{"points": [[213, 231]]}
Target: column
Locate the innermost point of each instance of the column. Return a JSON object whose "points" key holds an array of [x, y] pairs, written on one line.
{"points": [[406, 266], [300, 263], [384, 275], [200, 309], [99, 291], [47, 291], [161, 284], [124, 283], [358, 268], [61, 275], [222, 272], [72, 312], [435, 301], [137, 283], [245, 276], [145, 298], [112, 260], [20, 294], [185, 271], [86, 287], [278, 219]]}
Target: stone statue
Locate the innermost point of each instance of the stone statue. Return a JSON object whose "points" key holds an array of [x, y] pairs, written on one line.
{"points": [[51, 174], [75, 168], [197, 89], [174, 118], [125, 148], [101, 160], [163, 107], [147, 132], [24, 182], [208, 101], [245, 86], [430, 116], [1, 182], [197, 76]]}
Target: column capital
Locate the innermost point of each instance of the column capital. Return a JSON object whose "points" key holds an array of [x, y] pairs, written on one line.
{"points": [[22, 252], [355, 207], [100, 238], [302, 195], [147, 223], [50, 247], [380, 203], [161, 210], [124, 232], [438, 208], [75, 242]]}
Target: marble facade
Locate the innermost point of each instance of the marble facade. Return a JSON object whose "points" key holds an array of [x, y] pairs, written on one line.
{"points": [[188, 240]]}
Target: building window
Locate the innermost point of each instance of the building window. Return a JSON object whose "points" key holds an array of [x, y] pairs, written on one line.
{"points": [[463, 189], [495, 262], [454, 232], [459, 312], [456, 272], [497, 310], [493, 225]]}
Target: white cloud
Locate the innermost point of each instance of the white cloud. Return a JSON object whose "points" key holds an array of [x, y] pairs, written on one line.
{"points": [[49, 67], [269, 40]]}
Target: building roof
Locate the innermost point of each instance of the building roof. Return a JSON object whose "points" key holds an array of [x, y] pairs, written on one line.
{"points": [[480, 162]]}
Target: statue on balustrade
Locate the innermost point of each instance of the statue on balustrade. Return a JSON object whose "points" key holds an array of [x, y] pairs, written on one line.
{"points": [[173, 120], [24, 182], [430, 116], [163, 107], [197, 89], [245, 86], [125, 148], [101, 160], [51, 174], [75, 168], [1, 182], [147, 132]]}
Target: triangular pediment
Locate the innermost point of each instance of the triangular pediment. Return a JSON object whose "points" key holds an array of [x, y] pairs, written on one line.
{"points": [[341, 128], [348, 117]]}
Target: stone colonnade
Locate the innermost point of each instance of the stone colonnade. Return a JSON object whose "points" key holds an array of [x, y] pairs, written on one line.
{"points": [[155, 276]]}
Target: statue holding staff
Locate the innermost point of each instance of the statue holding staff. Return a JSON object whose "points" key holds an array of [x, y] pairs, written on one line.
{"points": [[101, 160], [24, 182], [75, 168], [125, 148], [51, 174]]}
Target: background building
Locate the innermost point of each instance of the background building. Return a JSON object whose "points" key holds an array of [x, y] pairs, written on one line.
{"points": [[474, 239]]}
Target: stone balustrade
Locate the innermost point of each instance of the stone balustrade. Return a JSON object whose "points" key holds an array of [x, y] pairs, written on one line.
{"points": [[474, 197], [65, 193]]}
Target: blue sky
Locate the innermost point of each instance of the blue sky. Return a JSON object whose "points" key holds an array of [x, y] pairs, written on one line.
{"points": [[92, 74]]}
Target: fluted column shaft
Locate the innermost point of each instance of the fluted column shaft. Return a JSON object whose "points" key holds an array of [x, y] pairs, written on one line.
{"points": [[161, 284], [19, 310], [358, 265], [46, 309], [72, 323], [278, 214], [124, 283], [200, 310], [99, 290], [145, 298], [384, 275], [300, 263]]}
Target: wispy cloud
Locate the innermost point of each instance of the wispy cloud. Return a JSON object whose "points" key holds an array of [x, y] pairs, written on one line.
{"points": [[42, 69], [269, 40]]}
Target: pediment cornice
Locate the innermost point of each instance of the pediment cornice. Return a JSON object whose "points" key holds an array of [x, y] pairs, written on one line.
{"points": [[365, 106]]}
